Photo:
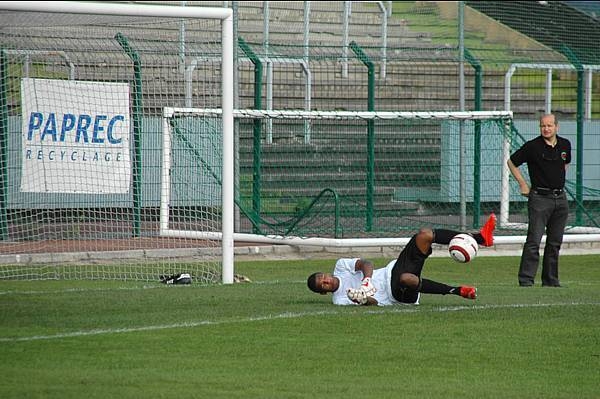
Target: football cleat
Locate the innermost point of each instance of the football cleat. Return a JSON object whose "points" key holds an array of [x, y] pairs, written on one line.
{"points": [[468, 292], [487, 231]]}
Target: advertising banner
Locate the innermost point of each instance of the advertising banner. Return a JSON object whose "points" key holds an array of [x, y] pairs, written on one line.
{"points": [[76, 137]]}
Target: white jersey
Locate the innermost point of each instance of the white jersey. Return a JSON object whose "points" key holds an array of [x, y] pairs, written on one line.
{"points": [[350, 278]]}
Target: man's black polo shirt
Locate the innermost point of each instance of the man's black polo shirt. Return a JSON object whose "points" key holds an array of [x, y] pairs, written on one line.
{"points": [[546, 164]]}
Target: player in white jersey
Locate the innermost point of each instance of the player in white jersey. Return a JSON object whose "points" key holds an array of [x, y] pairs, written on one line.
{"points": [[354, 281]]}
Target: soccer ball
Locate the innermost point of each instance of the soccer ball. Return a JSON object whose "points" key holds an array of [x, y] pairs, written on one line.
{"points": [[463, 248]]}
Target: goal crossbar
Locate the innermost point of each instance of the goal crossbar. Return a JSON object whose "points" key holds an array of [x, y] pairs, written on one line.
{"points": [[145, 10], [374, 115]]}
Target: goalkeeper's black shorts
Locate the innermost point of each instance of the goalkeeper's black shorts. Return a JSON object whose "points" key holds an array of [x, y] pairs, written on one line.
{"points": [[410, 260]]}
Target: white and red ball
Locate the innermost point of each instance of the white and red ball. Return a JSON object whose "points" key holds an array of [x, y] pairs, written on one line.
{"points": [[463, 248]]}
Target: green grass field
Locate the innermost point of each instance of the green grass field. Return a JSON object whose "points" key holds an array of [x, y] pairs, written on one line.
{"points": [[273, 338]]}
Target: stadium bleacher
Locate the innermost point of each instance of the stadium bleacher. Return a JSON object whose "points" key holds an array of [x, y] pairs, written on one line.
{"points": [[548, 22]]}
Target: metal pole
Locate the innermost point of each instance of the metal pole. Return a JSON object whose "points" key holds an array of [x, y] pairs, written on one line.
{"points": [[384, 17], [462, 141], [182, 42], [269, 99], [307, 73], [579, 150], [588, 95], [476, 139], [549, 90], [236, 124], [227, 188], [137, 110], [3, 145], [257, 129], [345, 39], [505, 190], [364, 58]]}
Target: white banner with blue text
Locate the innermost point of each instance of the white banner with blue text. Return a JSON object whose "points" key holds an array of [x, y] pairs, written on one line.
{"points": [[76, 137]]}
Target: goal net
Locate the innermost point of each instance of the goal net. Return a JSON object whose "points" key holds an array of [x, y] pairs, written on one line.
{"points": [[334, 175], [341, 179], [82, 92]]}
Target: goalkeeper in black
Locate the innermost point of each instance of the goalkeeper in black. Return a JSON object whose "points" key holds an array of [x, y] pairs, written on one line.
{"points": [[354, 281]]}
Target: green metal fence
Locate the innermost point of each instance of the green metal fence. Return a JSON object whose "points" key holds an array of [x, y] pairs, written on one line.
{"points": [[346, 179]]}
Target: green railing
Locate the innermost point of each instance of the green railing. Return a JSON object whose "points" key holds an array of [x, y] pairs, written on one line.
{"points": [[137, 110]]}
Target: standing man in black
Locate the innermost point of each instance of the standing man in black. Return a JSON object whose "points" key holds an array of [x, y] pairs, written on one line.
{"points": [[547, 157]]}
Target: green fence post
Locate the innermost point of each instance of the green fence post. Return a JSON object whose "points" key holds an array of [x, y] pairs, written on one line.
{"points": [[474, 62], [3, 146], [137, 131], [370, 132], [580, 115], [257, 127]]}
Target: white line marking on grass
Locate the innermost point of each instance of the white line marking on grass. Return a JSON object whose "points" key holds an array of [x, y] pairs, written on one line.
{"points": [[292, 315], [78, 290], [136, 288]]}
